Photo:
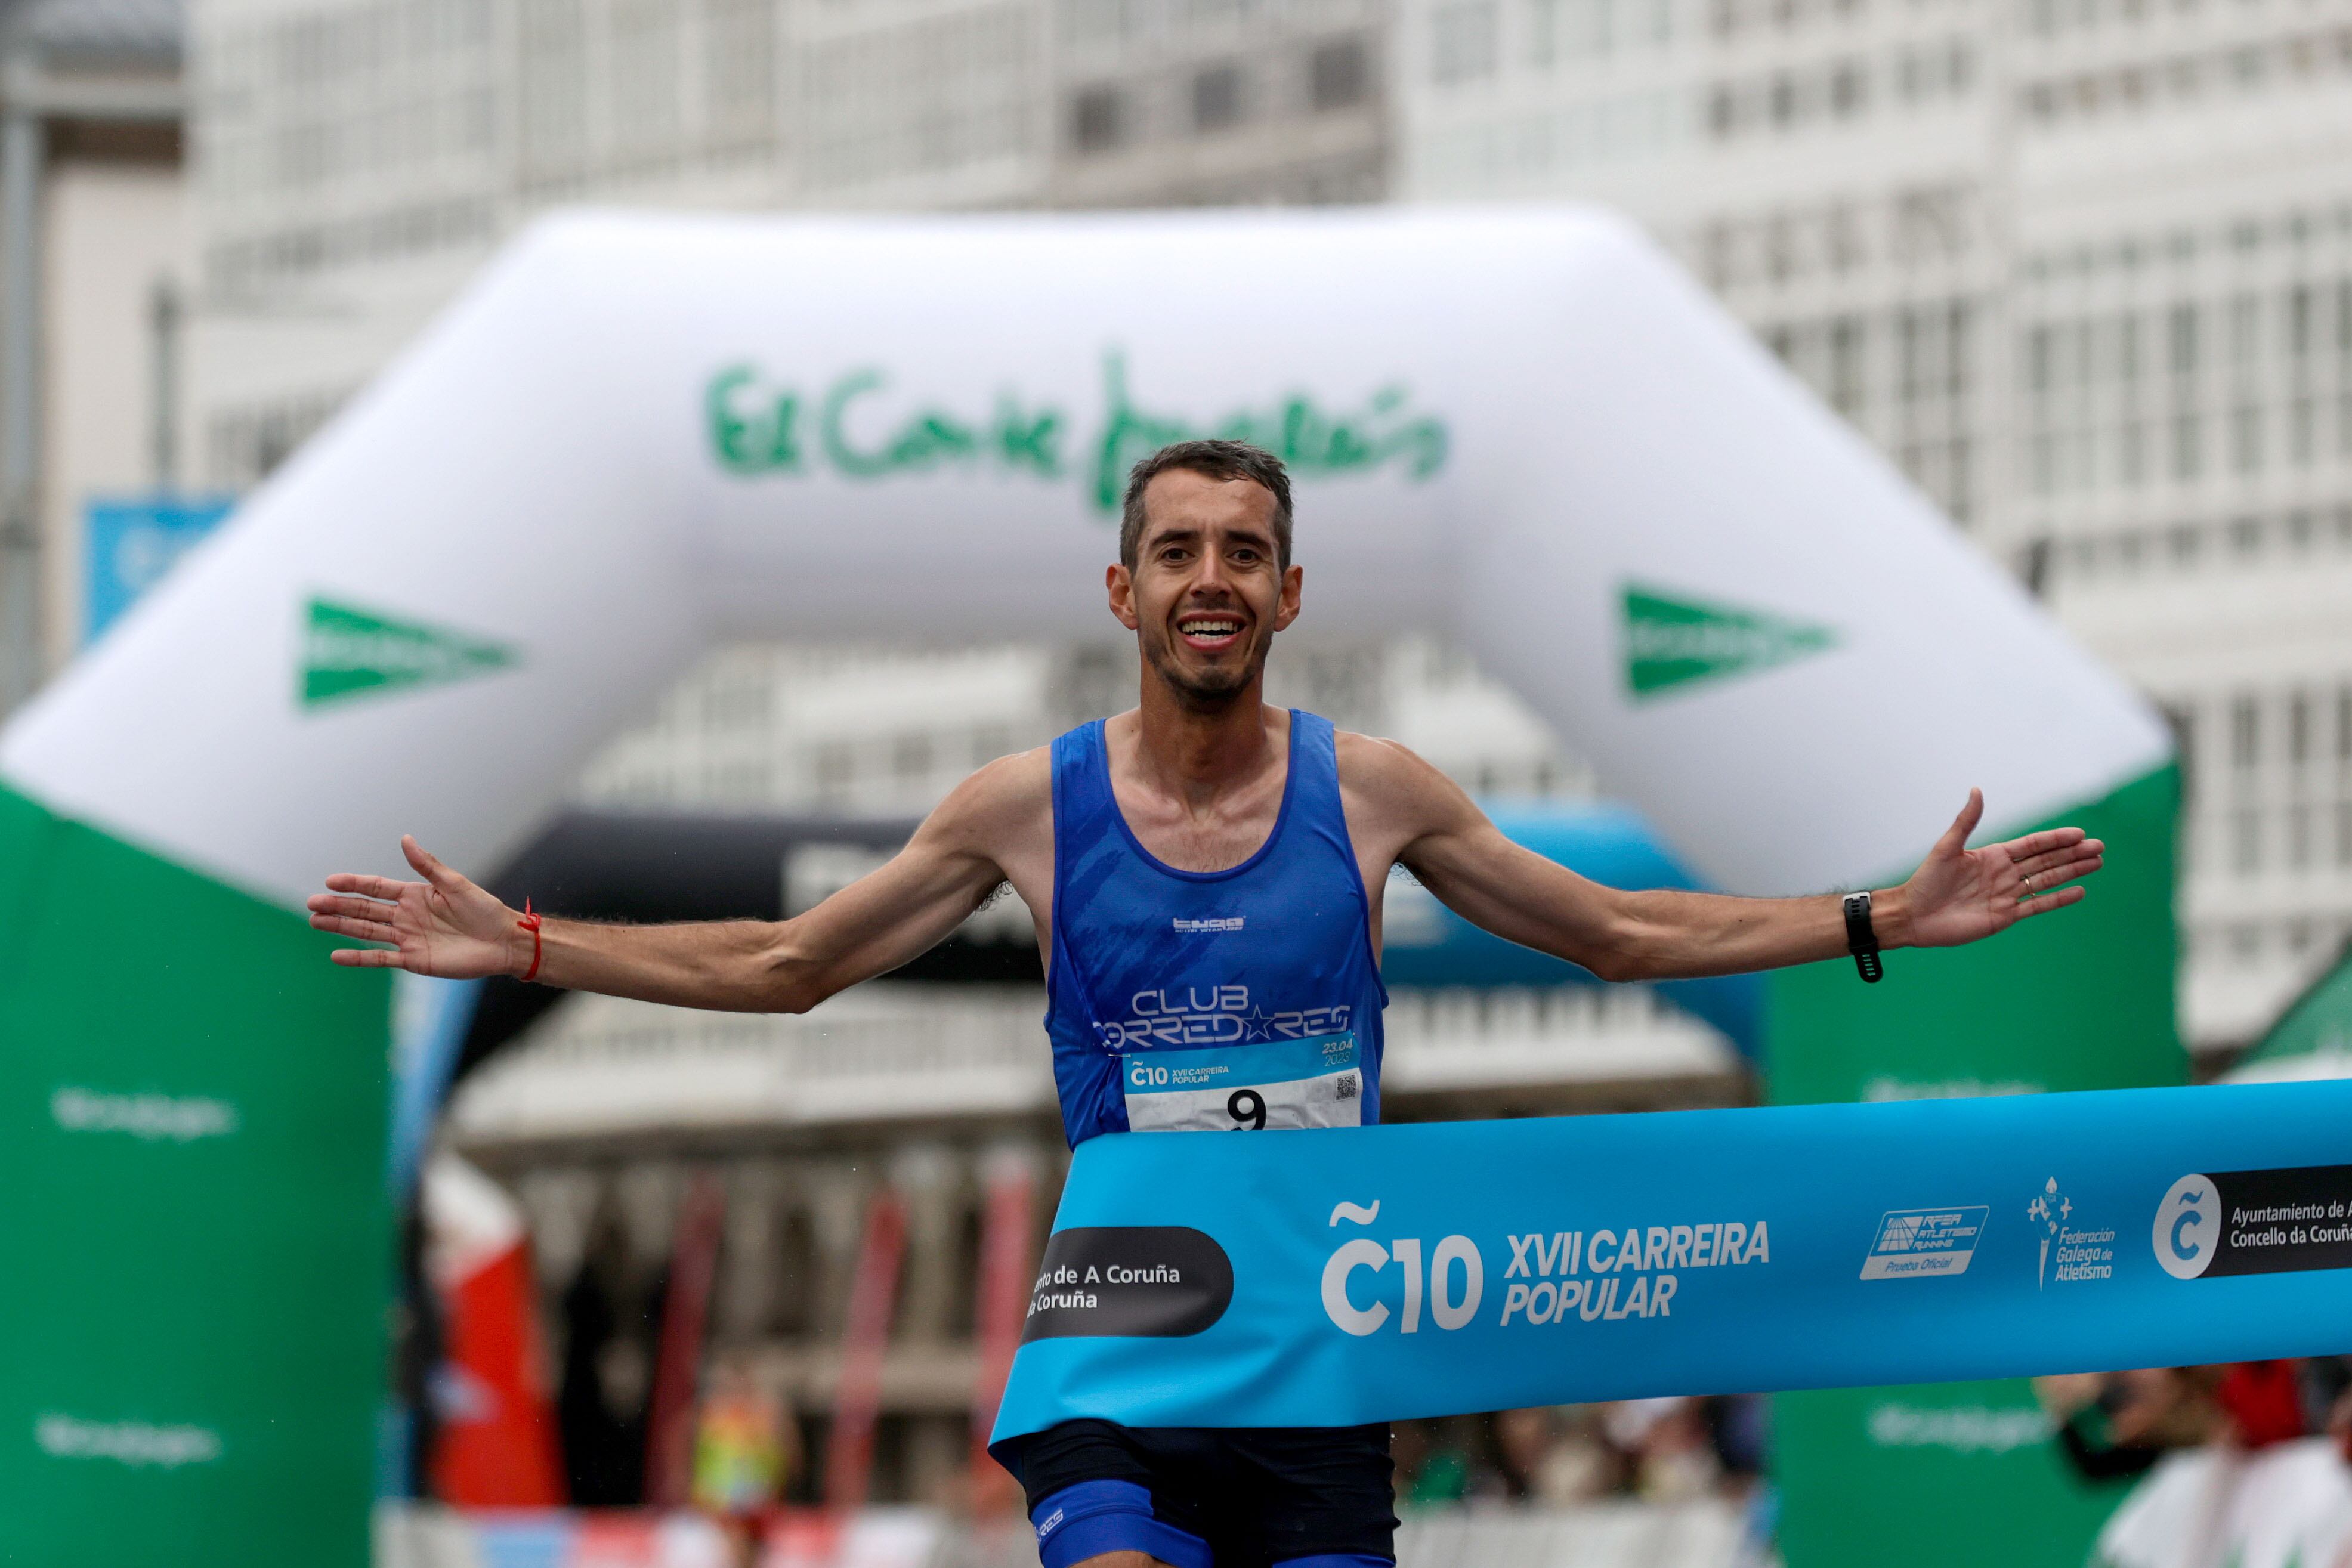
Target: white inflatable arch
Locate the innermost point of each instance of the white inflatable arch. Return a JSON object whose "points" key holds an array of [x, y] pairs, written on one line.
{"points": [[638, 437]]}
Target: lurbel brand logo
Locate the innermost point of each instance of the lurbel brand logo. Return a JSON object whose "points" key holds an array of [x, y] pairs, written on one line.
{"points": [[2187, 1232]]}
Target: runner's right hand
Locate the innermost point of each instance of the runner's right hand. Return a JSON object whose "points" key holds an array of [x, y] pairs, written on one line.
{"points": [[446, 925]]}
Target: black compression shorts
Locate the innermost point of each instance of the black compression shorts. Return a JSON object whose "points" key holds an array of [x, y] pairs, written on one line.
{"points": [[1254, 1496]]}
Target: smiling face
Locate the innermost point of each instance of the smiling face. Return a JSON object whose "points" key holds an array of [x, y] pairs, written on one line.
{"points": [[1208, 591]]}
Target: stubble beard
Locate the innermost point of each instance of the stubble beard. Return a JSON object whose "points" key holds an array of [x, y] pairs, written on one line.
{"points": [[1209, 691]]}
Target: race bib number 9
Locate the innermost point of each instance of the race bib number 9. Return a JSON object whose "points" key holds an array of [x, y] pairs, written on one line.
{"points": [[1313, 1082]]}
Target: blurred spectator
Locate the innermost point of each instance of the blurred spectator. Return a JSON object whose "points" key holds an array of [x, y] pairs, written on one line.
{"points": [[1440, 1467], [1668, 1441], [2114, 1425], [2264, 1400], [2226, 1460], [1665, 1451], [740, 1456], [743, 1455], [2229, 1470], [1741, 1426], [2339, 1424], [607, 1372], [1554, 1456]]}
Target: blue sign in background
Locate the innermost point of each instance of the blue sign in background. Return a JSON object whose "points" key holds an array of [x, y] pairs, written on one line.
{"points": [[1338, 1239], [131, 543]]}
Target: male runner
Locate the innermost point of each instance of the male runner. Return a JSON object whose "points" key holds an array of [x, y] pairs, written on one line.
{"points": [[1205, 873]]}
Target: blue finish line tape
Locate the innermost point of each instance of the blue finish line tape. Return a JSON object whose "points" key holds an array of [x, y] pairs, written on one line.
{"points": [[1372, 1274]]}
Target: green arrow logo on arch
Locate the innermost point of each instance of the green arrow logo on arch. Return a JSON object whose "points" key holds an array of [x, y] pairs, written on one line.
{"points": [[349, 653], [1672, 643]]}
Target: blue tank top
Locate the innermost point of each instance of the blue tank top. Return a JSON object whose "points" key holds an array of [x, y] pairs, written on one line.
{"points": [[1236, 1000]]}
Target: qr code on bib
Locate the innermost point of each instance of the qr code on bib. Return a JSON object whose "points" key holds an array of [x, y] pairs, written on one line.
{"points": [[1347, 1086]]}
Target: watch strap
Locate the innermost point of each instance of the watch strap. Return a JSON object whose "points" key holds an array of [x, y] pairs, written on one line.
{"points": [[1861, 938]]}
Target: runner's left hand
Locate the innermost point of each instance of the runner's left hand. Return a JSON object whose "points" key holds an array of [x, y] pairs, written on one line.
{"points": [[1959, 894]]}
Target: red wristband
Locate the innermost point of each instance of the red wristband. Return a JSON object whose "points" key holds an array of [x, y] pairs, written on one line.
{"points": [[531, 924]]}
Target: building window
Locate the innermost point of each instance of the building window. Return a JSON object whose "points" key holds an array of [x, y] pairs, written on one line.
{"points": [[1339, 76], [2188, 446], [1462, 42], [2183, 323], [1846, 385], [1846, 90], [835, 767], [739, 52], [1217, 97], [2246, 842], [1097, 120], [2183, 723], [1543, 33], [2245, 734], [2246, 438]]}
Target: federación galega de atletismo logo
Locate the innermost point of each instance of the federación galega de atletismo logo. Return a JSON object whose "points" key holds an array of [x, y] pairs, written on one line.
{"points": [[2049, 1212], [863, 424]]}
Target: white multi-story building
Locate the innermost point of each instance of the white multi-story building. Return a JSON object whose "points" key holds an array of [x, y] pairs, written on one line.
{"points": [[102, 265], [2083, 268], [358, 159]]}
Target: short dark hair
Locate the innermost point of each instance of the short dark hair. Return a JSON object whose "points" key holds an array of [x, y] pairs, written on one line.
{"points": [[1217, 460]]}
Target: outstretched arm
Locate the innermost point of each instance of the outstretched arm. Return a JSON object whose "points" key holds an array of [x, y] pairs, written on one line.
{"points": [[1958, 894], [450, 926]]}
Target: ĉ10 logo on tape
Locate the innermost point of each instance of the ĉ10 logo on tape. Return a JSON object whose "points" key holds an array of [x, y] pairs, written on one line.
{"points": [[1453, 1257], [2187, 1226]]}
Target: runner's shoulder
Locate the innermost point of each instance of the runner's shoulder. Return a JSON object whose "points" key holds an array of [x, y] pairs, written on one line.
{"points": [[1010, 795], [1376, 762], [1388, 778]]}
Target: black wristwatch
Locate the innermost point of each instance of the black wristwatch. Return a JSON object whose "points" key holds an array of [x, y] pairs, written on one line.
{"points": [[1861, 940]]}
